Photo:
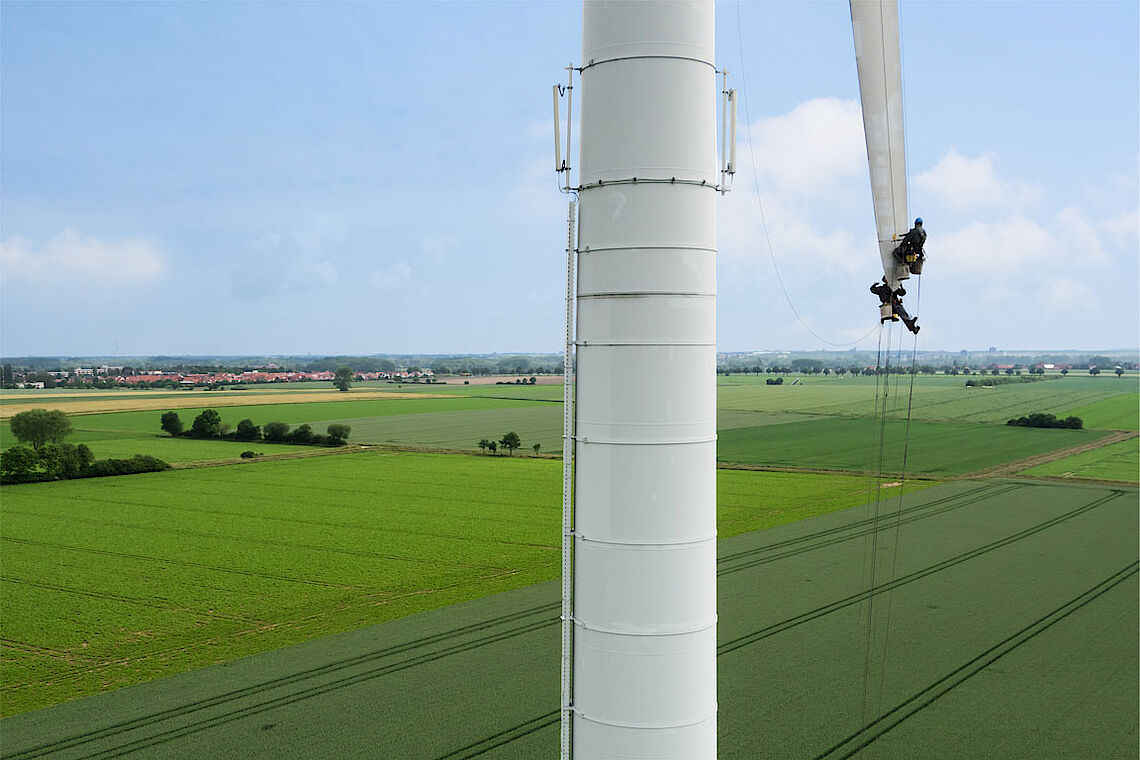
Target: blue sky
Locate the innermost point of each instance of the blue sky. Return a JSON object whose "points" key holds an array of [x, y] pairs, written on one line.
{"points": [[230, 178]]}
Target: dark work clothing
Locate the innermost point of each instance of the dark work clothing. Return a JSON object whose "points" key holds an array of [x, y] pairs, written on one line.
{"points": [[883, 291], [911, 244]]}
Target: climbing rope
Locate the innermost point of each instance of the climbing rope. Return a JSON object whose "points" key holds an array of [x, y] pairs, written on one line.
{"points": [[870, 560], [881, 411], [760, 202], [899, 501]]}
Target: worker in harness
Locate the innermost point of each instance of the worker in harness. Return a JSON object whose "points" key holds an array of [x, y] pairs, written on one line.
{"points": [[891, 307], [909, 250]]}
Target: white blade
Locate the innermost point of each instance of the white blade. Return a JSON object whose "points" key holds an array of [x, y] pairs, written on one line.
{"points": [[875, 24]]}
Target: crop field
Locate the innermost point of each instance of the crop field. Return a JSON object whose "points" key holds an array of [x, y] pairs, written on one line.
{"points": [[940, 398], [1003, 624], [114, 581], [1121, 412], [411, 421], [759, 424], [174, 450], [145, 401], [935, 448], [1117, 461]]}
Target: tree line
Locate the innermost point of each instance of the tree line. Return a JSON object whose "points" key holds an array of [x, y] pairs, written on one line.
{"points": [[1040, 420], [209, 425], [43, 455], [509, 443]]}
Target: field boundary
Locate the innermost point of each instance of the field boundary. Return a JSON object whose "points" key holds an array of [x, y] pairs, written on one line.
{"points": [[1010, 469]]}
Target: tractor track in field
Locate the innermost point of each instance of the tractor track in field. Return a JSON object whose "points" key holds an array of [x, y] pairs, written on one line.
{"points": [[938, 689], [911, 706], [261, 541], [520, 623], [1012, 468], [179, 562]]}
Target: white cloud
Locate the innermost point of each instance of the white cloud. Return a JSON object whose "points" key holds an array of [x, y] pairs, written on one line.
{"points": [[815, 145], [1123, 229], [1064, 293], [1019, 245], [68, 255], [394, 277], [973, 183]]}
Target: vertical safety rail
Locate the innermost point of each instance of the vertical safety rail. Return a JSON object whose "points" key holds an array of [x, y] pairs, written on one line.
{"points": [[568, 490]]}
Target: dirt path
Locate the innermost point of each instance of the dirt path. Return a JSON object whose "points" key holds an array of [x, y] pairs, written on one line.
{"points": [[1010, 468]]}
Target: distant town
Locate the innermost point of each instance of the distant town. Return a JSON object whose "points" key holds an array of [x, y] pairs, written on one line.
{"points": [[109, 376], [243, 371]]}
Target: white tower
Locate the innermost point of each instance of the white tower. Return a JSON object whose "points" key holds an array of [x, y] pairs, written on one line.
{"points": [[644, 591]]}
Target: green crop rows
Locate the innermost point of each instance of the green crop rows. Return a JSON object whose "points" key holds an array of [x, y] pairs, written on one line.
{"points": [[1121, 412], [1117, 461], [1002, 626], [113, 581], [935, 448], [753, 419]]}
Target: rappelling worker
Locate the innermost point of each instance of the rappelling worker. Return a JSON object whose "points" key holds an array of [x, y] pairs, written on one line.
{"points": [[891, 307], [909, 250]]}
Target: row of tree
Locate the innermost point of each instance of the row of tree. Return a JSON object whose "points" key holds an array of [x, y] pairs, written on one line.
{"points": [[508, 443], [64, 461], [209, 425], [43, 455], [1040, 420]]}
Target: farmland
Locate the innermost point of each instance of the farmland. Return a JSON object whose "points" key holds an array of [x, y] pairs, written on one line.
{"points": [[935, 448], [1012, 633], [935, 398], [119, 580], [778, 419], [1117, 461]]}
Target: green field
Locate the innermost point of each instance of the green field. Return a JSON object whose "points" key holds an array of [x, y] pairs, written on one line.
{"points": [[935, 448], [758, 424], [1120, 412], [114, 581], [1117, 461], [107, 445], [1004, 627], [436, 422], [937, 398]]}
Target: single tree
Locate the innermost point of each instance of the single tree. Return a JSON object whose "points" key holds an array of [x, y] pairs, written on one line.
{"points": [[7, 376], [208, 424], [510, 441], [536, 447], [338, 433], [275, 432], [172, 423], [1119, 371], [1064, 371], [342, 378], [493, 446], [39, 426], [247, 431], [483, 444], [1094, 371]]}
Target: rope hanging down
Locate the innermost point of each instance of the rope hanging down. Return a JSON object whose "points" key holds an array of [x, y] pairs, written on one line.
{"points": [[760, 203], [880, 413]]}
